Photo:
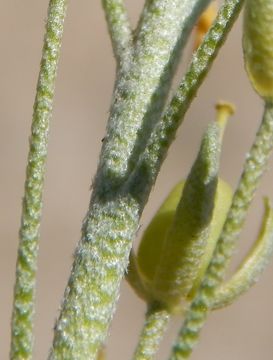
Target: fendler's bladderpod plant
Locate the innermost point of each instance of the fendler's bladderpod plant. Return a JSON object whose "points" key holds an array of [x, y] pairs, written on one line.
{"points": [[181, 261]]}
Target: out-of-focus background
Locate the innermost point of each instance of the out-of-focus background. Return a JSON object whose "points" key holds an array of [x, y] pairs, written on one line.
{"points": [[83, 94]]}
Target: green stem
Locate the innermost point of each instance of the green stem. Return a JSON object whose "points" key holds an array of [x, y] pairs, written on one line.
{"points": [[255, 165], [164, 133], [98, 268], [113, 216], [251, 267], [141, 91], [156, 323], [24, 291], [119, 29]]}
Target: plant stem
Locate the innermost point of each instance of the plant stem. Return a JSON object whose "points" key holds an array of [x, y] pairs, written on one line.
{"points": [[99, 264], [255, 165], [24, 291], [113, 216], [251, 267], [119, 29], [141, 91], [164, 132], [157, 320]]}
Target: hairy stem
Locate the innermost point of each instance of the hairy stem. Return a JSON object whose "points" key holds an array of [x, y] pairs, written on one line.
{"points": [[119, 29], [113, 216], [255, 165], [164, 132], [251, 267], [157, 320], [24, 291], [141, 91]]}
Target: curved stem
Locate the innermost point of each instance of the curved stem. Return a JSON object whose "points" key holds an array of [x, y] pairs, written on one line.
{"points": [[252, 266], [156, 323], [24, 291], [254, 167]]}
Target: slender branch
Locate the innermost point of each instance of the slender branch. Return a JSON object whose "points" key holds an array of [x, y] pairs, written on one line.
{"points": [[113, 216], [254, 167], [187, 338], [157, 320], [252, 266], [119, 29], [150, 161], [24, 291]]}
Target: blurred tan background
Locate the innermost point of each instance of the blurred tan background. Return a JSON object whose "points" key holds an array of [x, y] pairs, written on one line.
{"points": [[83, 93]]}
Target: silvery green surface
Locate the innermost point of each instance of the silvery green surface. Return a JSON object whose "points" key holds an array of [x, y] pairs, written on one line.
{"points": [[251, 268], [156, 323], [119, 30], [141, 91], [112, 219], [137, 139], [24, 291], [163, 134]]}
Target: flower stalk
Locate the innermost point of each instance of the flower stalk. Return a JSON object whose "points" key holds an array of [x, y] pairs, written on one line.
{"points": [[156, 323]]}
